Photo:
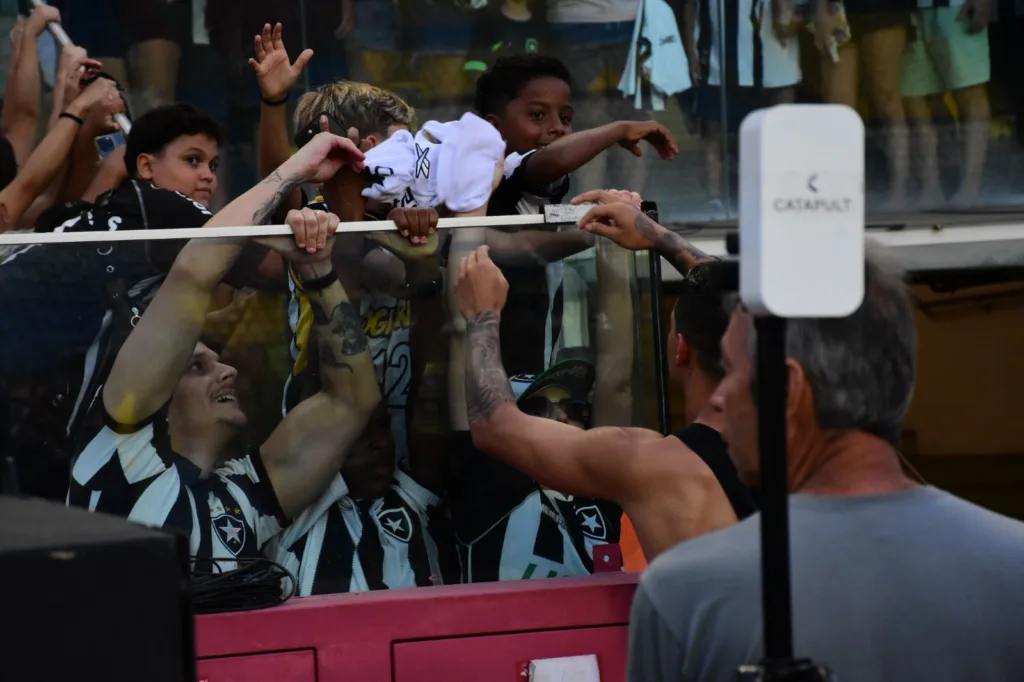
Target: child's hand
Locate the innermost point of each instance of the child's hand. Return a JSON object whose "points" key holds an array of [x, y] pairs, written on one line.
{"points": [[415, 224], [416, 240], [656, 135]]}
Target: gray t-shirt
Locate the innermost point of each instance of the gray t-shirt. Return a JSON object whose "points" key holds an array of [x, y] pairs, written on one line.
{"points": [[917, 585]]}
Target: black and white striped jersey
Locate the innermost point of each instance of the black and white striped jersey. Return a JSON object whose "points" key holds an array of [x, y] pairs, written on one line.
{"points": [[132, 471], [345, 545], [547, 535]]}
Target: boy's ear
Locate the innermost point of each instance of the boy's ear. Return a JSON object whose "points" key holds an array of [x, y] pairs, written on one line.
{"points": [[492, 119]]}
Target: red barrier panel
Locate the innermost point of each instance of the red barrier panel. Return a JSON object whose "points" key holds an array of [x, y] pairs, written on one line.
{"points": [[458, 633]]}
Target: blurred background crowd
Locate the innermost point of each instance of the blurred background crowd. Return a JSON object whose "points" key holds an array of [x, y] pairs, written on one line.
{"points": [[938, 81]]}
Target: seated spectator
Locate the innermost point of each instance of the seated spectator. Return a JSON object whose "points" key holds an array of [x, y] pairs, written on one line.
{"points": [[171, 410], [892, 580]]}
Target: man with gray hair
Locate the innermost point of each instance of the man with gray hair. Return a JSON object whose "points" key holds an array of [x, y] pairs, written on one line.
{"points": [[892, 580]]}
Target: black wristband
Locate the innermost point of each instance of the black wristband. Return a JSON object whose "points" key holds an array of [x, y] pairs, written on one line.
{"points": [[71, 117], [320, 283], [274, 102]]}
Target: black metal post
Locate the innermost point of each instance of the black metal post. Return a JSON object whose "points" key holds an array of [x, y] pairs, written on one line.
{"points": [[660, 347], [650, 208], [771, 403]]}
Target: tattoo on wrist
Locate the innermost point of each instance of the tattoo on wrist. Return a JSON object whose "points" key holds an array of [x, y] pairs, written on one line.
{"points": [[487, 386], [287, 185], [681, 253], [339, 333]]}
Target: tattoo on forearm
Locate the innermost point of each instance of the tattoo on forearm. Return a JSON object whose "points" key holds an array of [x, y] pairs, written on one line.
{"points": [[287, 185], [330, 356], [681, 253], [339, 333], [487, 386]]}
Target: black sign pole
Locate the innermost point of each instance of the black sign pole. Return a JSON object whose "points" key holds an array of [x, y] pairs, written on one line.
{"points": [[771, 405], [779, 664]]}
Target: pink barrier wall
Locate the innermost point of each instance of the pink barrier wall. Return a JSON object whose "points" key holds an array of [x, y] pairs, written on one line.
{"points": [[460, 633]]}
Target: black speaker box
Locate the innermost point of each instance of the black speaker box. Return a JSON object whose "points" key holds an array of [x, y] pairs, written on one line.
{"points": [[91, 597]]}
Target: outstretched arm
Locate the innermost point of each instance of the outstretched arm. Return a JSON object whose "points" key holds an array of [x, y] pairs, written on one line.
{"points": [[569, 153], [307, 449], [156, 353], [631, 228], [595, 463]]}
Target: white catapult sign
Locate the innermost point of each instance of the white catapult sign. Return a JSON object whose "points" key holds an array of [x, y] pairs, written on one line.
{"points": [[802, 211]]}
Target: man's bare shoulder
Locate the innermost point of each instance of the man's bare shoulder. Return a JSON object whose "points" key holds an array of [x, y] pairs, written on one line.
{"points": [[726, 557]]}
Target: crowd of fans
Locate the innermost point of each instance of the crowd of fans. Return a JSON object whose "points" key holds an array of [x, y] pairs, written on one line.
{"points": [[919, 71], [378, 410]]}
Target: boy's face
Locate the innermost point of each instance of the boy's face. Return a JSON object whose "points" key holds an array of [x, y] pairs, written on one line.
{"points": [[541, 114], [187, 165]]}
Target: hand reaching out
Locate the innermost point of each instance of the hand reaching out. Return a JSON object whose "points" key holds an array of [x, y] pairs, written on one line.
{"points": [[618, 218], [275, 72], [657, 135], [481, 287]]}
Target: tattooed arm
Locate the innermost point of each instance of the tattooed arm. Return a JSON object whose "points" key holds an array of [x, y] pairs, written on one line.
{"points": [[595, 463], [630, 228], [307, 449]]}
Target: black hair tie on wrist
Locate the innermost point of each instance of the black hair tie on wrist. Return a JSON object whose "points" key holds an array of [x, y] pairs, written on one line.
{"points": [[274, 102], [320, 283], [71, 117]]}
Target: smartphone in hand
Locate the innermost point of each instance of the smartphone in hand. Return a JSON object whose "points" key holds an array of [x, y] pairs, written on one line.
{"points": [[106, 144]]}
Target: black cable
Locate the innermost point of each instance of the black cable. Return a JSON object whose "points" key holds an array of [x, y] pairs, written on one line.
{"points": [[253, 584]]}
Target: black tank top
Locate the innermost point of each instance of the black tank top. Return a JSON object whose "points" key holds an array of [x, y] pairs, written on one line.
{"points": [[710, 447]]}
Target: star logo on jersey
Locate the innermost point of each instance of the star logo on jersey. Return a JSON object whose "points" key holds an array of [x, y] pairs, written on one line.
{"points": [[422, 162], [591, 520], [230, 527], [396, 523]]}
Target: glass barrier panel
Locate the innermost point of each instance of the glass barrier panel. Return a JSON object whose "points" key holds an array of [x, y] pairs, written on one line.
{"points": [[237, 391]]}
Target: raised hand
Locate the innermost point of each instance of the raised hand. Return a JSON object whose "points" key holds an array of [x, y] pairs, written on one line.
{"points": [[657, 135], [102, 99], [275, 72], [75, 64], [39, 18], [481, 287]]}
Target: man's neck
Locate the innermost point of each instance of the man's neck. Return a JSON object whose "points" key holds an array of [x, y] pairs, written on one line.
{"points": [[202, 450], [851, 463], [698, 389]]}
